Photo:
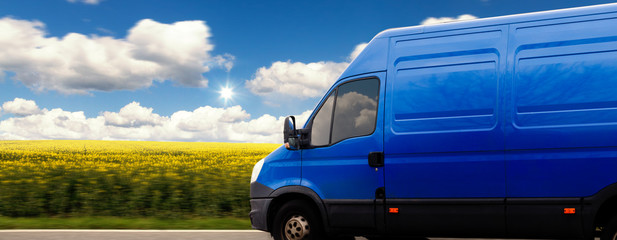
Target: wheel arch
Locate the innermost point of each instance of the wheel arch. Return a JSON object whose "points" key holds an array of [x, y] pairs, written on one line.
{"points": [[285, 194], [601, 208], [607, 210]]}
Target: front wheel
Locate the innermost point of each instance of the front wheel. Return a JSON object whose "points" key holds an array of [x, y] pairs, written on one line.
{"points": [[296, 220]]}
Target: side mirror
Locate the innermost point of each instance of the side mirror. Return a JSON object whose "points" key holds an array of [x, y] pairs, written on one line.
{"points": [[290, 135]]}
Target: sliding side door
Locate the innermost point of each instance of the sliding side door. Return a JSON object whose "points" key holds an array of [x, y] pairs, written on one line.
{"points": [[443, 135]]}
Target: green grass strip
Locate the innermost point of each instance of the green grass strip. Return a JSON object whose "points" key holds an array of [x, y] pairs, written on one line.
{"points": [[123, 223]]}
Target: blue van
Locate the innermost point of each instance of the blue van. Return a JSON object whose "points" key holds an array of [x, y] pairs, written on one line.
{"points": [[499, 127]]}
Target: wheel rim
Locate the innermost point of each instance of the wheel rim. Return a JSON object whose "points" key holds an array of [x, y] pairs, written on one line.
{"points": [[297, 228]]}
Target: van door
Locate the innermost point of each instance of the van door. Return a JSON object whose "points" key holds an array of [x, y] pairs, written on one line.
{"points": [[444, 137], [346, 128]]}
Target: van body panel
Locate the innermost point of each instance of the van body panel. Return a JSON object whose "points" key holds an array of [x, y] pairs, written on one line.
{"points": [[576, 172], [443, 90], [564, 80], [444, 128], [356, 180], [445, 175], [452, 217], [281, 168], [427, 189]]}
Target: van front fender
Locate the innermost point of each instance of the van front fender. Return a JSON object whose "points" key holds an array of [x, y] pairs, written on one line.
{"points": [[283, 194]]}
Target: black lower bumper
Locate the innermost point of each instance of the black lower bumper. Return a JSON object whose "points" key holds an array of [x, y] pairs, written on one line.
{"points": [[259, 213]]}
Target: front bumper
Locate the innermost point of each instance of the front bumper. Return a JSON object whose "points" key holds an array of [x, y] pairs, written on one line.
{"points": [[259, 213]]}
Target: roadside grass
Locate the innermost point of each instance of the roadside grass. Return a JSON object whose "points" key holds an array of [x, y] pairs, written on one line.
{"points": [[222, 223]]}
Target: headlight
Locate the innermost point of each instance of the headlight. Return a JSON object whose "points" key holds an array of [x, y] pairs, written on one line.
{"points": [[257, 170]]}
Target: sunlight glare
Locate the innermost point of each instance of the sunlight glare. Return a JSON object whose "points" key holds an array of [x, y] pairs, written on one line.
{"points": [[226, 93]]}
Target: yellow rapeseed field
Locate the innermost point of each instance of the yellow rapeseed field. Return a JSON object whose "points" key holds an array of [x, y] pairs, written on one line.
{"points": [[126, 178]]}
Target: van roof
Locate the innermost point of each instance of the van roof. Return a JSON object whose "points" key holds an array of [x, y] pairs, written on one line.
{"points": [[374, 57], [508, 19]]}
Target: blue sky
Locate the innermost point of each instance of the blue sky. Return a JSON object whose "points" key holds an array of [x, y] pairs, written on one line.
{"points": [[153, 70]]}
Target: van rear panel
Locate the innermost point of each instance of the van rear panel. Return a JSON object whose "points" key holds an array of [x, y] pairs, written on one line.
{"points": [[561, 121], [563, 92]]}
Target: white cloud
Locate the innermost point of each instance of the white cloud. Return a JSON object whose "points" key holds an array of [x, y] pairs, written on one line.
{"points": [[433, 20], [356, 51], [135, 122], [21, 107], [77, 63], [297, 79], [133, 115], [93, 2], [54, 124], [225, 61]]}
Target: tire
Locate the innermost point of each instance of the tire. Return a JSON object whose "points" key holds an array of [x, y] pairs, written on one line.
{"points": [[609, 232], [297, 220]]}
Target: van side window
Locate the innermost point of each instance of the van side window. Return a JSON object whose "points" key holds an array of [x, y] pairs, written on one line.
{"points": [[320, 132], [355, 113]]}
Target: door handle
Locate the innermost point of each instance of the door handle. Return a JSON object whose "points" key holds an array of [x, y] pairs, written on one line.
{"points": [[375, 159]]}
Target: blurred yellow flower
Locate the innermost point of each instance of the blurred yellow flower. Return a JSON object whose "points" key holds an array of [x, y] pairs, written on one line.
{"points": [[126, 178]]}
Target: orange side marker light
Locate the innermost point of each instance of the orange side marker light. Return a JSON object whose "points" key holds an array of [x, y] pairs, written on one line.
{"points": [[393, 210], [569, 210]]}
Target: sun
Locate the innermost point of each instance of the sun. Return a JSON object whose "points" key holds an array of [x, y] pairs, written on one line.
{"points": [[226, 93]]}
